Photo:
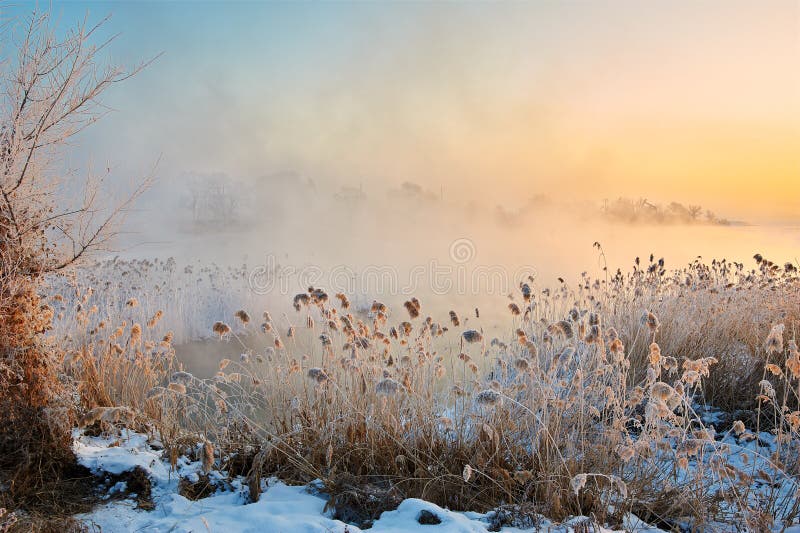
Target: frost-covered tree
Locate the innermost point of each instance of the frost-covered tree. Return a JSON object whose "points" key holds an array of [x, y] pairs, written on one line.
{"points": [[50, 220]]}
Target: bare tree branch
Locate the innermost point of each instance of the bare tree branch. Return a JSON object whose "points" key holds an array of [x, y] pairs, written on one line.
{"points": [[53, 89]]}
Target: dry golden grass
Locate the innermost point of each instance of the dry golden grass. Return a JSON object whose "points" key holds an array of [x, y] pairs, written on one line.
{"points": [[590, 404]]}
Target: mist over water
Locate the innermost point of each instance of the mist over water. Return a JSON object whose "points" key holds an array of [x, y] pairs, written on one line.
{"points": [[390, 246], [379, 135], [413, 239]]}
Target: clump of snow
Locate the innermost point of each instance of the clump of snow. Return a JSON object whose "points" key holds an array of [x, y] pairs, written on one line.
{"points": [[406, 518], [119, 454]]}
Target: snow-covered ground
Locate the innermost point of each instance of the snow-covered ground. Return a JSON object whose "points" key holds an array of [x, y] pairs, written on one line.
{"points": [[281, 508]]}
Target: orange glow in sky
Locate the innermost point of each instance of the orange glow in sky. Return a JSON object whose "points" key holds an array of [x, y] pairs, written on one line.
{"points": [[695, 101]]}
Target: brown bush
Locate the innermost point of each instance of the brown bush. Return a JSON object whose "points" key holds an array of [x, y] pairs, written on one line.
{"points": [[50, 93]]}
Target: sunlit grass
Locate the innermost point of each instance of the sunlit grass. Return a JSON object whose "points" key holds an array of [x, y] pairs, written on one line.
{"points": [[595, 403]]}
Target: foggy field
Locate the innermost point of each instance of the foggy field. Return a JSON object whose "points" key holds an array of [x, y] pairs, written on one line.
{"points": [[400, 267]]}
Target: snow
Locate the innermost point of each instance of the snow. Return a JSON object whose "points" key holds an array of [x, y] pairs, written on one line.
{"points": [[116, 455], [404, 518], [281, 508], [633, 523]]}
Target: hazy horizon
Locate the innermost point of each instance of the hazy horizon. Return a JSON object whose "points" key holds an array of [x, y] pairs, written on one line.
{"points": [[689, 102], [512, 123]]}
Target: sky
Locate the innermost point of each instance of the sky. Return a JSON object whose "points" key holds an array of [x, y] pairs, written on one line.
{"points": [[696, 101]]}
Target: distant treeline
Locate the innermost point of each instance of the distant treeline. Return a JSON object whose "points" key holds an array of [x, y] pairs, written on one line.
{"points": [[215, 200], [619, 211], [631, 211]]}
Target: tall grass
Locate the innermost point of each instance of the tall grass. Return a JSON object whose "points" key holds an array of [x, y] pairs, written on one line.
{"points": [[597, 402], [188, 297]]}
